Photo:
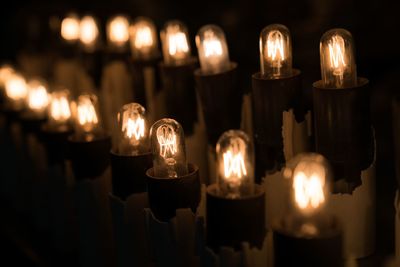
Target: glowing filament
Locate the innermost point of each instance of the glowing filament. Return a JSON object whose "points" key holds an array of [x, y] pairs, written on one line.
{"points": [[336, 55], [275, 47], [167, 140], [59, 109], [38, 98], [70, 28], [134, 128], [88, 30], [212, 46], [16, 88], [87, 116], [309, 193], [234, 165], [178, 44], [144, 37], [118, 32], [6, 73]]}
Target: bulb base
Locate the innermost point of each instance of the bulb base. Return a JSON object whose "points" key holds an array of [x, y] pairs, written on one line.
{"points": [[32, 123], [343, 131], [270, 98], [233, 221], [129, 173], [180, 95], [166, 195], [89, 158], [293, 250], [221, 101], [55, 143], [92, 62], [10, 113]]}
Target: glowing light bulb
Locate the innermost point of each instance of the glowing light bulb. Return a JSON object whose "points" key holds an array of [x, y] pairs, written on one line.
{"points": [[70, 28], [212, 49], [89, 32], [175, 43], [143, 39], [86, 116], [59, 110], [6, 72], [118, 31], [133, 130], [275, 52], [37, 98], [168, 148], [16, 90], [235, 164], [338, 65]]}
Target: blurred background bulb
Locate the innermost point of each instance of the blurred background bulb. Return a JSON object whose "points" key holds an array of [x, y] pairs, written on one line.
{"points": [[133, 130], [143, 38], [275, 52], [16, 90], [235, 164], [212, 49], [70, 28], [89, 31], [175, 43], [118, 31], [37, 98], [59, 110], [338, 65], [86, 116], [168, 148], [6, 72]]}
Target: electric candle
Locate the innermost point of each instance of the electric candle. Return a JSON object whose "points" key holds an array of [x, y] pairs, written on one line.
{"points": [[70, 28], [86, 116], [89, 32], [6, 72], [16, 91], [235, 196], [307, 235], [59, 111], [143, 39], [37, 98], [118, 31], [341, 111], [275, 89], [175, 43]]}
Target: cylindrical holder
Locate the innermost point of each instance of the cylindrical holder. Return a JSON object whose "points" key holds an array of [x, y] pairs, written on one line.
{"points": [[233, 221], [396, 134], [343, 132], [166, 195], [270, 98], [221, 101], [292, 250], [89, 158], [55, 143], [129, 173], [180, 94], [30, 123], [93, 64]]}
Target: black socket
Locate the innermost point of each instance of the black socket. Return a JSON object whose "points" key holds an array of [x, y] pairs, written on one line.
{"points": [[55, 143], [92, 62], [233, 221], [30, 123], [180, 94], [129, 173], [396, 134], [221, 101], [166, 195]]}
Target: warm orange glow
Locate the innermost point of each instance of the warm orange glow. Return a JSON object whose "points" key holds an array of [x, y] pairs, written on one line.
{"points": [[134, 128], [38, 98], [275, 47], [212, 45], [6, 73], [86, 114], [118, 30], [59, 108], [234, 164], [70, 28], [88, 31], [16, 88], [336, 55], [167, 140], [144, 37]]}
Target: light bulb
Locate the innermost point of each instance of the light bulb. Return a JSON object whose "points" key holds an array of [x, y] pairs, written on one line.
{"points": [[16, 90], [212, 49], [118, 31], [133, 130], [143, 39], [6, 72], [89, 32], [86, 116], [275, 52], [338, 65], [37, 98], [175, 43], [235, 164], [59, 110], [70, 28], [168, 148]]}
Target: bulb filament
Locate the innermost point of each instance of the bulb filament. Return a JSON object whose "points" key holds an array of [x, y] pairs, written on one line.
{"points": [[275, 48], [308, 190], [167, 140], [178, 45], [134, 128], [87, 116], [38, 98], [143, 38], [234, 165], [336, 56], [59, 109]]}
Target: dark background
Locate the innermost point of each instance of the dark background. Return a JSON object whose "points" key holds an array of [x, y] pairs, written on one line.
{"points": [[374, 25]]}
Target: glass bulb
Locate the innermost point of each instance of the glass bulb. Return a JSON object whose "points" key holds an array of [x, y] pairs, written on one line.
{"points": [[59, 110], [175, 43], [235, 164], [133, 130], [275, 52], [143, 39], [338, 64], [6, 72], [37, 98], [16, 90], [89, 32], [118, 31], [85, 113], [212, 49], [70, 28], [168, 148]]}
